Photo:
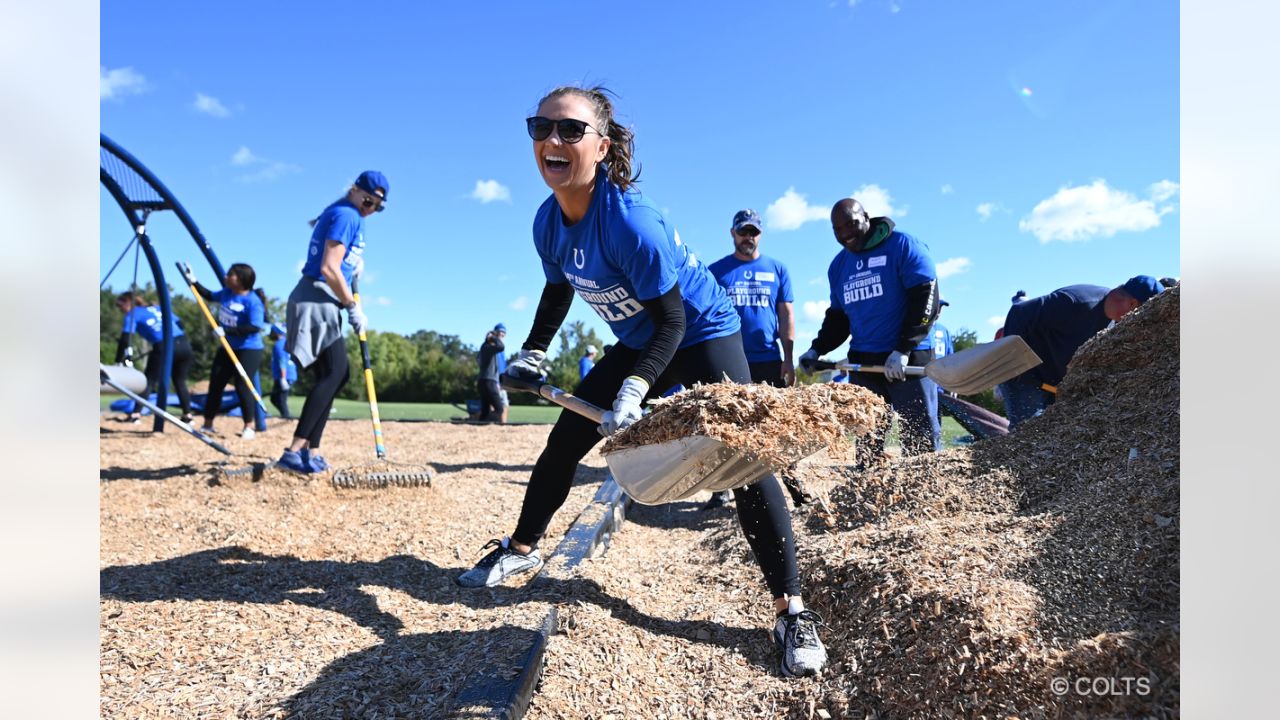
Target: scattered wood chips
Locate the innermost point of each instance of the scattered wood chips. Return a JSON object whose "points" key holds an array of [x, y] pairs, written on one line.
{"points": [[778, 426]]}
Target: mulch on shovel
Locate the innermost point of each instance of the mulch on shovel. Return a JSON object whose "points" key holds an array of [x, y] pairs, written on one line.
{"points": [[778, 426]]}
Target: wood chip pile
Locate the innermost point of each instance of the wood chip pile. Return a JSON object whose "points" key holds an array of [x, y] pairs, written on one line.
{"points": [[225, 597], [963, 584], [779, 426]]}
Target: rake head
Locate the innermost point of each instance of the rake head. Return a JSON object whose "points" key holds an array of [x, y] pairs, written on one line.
{"points": [[382, 474]]}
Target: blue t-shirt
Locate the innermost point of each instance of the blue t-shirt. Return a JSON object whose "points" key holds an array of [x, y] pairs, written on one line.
{"points": [[755, 288], [1056, 325], [623, 251], [584, 366], [238, 311], [938, 340], [281, 360], [148, 322], [870, 286], [340, 222]]}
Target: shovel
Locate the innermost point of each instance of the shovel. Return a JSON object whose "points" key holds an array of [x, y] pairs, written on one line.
{"points": [[663, 472], [967, 372]]}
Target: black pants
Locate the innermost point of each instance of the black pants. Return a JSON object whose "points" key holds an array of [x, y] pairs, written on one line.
{"points": [[769, 373], [178, 375], [490, 399], [762, 509], [919, 429], [224, 370], [280, 398], [331, 372]]}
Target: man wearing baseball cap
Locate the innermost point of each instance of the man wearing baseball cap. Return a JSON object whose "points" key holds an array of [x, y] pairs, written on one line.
{"points": [[586, 362], [1055, 326], [490, 359], [759, 288]]}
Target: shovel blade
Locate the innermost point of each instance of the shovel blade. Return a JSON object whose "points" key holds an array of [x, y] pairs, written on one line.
{"points": [[676, 469], [984, 366]]}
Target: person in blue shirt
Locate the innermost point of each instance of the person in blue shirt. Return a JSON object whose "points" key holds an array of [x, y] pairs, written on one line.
{"points": [[335, 256], [241, 318], [142, 317], [586, 362], [760, 289], [1055, 326], [884, 298], [600, 239], [490, 359], [284, 372], [938, 344]]}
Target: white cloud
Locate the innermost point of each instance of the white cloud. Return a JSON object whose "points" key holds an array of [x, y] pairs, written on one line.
{"points": [[1085, 211], [382, 300], [878, 201], [1163, 190], [519, 303], [263, 170], [115, 84], [210, 106], [818, 280], [947, 189], [488, 191], [996, 321], [985, 210], [791, 211], [894, 6], [815, 311], [953, 266], [243, 156]]}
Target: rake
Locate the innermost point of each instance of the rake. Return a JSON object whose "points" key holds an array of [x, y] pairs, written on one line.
{"points": [[381, 472]]}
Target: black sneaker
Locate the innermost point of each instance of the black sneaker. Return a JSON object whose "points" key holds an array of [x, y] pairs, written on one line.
{"points": [[718, 500], [797, 638], [500, 564]]}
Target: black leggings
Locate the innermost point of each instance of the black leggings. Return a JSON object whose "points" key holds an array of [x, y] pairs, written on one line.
{"points": [[178, 375], [224, 370], [762, 509], [330, 371]]}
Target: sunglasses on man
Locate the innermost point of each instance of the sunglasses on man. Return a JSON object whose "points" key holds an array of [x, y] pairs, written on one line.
{"points": [[570, 130], [372, 200], [748, 231]]}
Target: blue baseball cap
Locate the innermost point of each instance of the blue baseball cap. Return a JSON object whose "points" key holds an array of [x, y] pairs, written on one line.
{"points": [[374, 183], [1142, 287], [746, 217], [499, 328]]}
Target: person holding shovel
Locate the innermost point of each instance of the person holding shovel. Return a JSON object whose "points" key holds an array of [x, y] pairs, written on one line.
{"points": [[1055, 326], [599, 237], [884, 298], [335, 255], [146, 319], [241, 317]]}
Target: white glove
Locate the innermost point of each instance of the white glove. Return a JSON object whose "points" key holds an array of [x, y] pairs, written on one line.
{"points": [[528, 365], [284, 385], [220, 332], [357, 264], [355, 316], [808, 358], [895, 367], [626, 406], [187, 274]]}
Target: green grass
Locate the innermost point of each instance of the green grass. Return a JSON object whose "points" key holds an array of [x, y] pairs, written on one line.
{"points": [[359, 410]]}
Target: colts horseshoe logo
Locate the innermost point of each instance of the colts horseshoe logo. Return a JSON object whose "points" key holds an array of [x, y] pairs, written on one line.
{"points": [[747, 274], [579, 258], [859, 265]]}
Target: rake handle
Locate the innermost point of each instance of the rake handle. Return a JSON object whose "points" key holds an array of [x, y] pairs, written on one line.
{"points": [[378, 443], [156, 409], [550, 392]]}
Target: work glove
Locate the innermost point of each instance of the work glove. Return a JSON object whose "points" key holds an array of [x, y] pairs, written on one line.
{"points": [[808, 359], [284, 385], [895, 367], [187, 274], [355, 316], [626, 406], [528, 366], [357, 264]]}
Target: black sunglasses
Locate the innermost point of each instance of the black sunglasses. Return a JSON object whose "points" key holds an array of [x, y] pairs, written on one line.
{"points": [[749, 231], [570, 130], [370, 202]]}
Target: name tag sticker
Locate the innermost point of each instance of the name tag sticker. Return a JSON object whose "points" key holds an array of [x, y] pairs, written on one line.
{"points": [[765, 277], [877, 261]]}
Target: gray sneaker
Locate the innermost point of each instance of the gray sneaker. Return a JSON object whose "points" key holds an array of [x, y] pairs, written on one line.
{"points": [[500, 564], [797, 638]]}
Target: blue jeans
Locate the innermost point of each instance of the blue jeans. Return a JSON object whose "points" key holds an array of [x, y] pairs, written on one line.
{"points": [[1023, 400]]}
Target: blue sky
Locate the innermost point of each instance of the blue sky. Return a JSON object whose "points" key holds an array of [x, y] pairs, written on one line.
{"points": [[1029, 145]]}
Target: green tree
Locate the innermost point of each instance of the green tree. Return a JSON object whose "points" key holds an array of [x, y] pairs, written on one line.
{"points": [[574, 339]]}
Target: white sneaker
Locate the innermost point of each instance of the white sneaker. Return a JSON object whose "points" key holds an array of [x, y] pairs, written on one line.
{"points": [[797, 637], [499, 565], [248, 434]]}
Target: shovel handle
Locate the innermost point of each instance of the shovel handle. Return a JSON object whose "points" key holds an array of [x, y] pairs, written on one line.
{"points": [[857, 367], [554, 394]]}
